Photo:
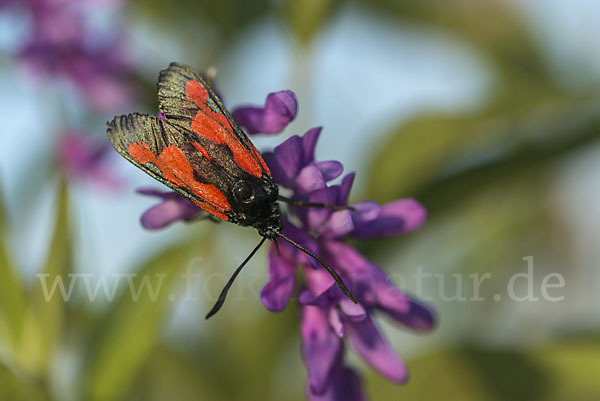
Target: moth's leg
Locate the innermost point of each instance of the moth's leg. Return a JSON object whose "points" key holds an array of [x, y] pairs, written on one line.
{"points": [[313, 204]]}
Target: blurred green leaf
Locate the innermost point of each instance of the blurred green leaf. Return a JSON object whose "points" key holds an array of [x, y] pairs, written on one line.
{"points": [[15, 387], [564, 371], [171, 376], [307, 17], [194, 20], [127, 335], [571, 367], [530, 149], [46, 314], [435, 148], [12, 295], [259, 345]]}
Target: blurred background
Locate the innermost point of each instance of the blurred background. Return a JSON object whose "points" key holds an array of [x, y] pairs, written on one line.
{"points": [[486, 111]]}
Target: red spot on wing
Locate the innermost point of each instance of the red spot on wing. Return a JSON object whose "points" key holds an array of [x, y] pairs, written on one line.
{"points": [[197, 93], [215, 127], [176, 169], [201, 149]]}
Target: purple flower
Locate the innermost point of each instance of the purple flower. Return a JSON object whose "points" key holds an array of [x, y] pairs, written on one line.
{"points": [[172, 207], [330, 322], [82, 158], [279, 110], [344, 384], [292, 164], [328, 317]]}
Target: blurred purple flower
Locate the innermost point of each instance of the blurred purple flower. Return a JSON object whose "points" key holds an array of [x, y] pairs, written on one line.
{"points": [[279, 110], [61, 44], [80, 157], [344, 384]]}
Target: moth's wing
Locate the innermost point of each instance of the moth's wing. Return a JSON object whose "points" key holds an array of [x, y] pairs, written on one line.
{"points": [[187, 101], [168, 156]]}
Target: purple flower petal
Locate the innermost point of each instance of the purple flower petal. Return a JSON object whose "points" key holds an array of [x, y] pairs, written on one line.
{"points": [[276, 294], [170, 210], [287, 161], [316, 217], [320, 346], [390, 298], [401, 307], [309, 179], [345, 385], [376, 290], [351, 311], [345, 187], [336, 323], [351, 262], [293, 155], [158, 193], [330, 169], [302, 238], [368, 343], [279, 110], [309, 142], [417, 316], [321, 284], [339, 225], [394, 218]]}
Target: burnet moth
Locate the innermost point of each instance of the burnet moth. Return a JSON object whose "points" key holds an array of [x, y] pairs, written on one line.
{"points": [[196, 148]]}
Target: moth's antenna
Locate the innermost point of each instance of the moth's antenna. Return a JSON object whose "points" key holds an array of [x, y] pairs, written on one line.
{"points": [[336, 277], [296, 202], [225, 289]]}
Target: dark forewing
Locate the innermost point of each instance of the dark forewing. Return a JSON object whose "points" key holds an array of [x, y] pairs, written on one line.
{"points": [[188, 102], [173, 159]]}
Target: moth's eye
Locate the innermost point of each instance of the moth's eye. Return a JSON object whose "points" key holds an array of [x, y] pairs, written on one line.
{"points": [[243, 191]]}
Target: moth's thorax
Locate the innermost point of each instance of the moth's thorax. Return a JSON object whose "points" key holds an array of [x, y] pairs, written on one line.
{"points": [[255, 204]]}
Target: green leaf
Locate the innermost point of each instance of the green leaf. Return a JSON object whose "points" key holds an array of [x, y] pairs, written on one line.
{"points": [[12, 295], [15, 387], [46, 312], [127, 335]]}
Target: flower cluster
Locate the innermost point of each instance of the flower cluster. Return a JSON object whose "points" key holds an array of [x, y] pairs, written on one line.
{"points": [[65, 42], [329, 320], [82, 158]]}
